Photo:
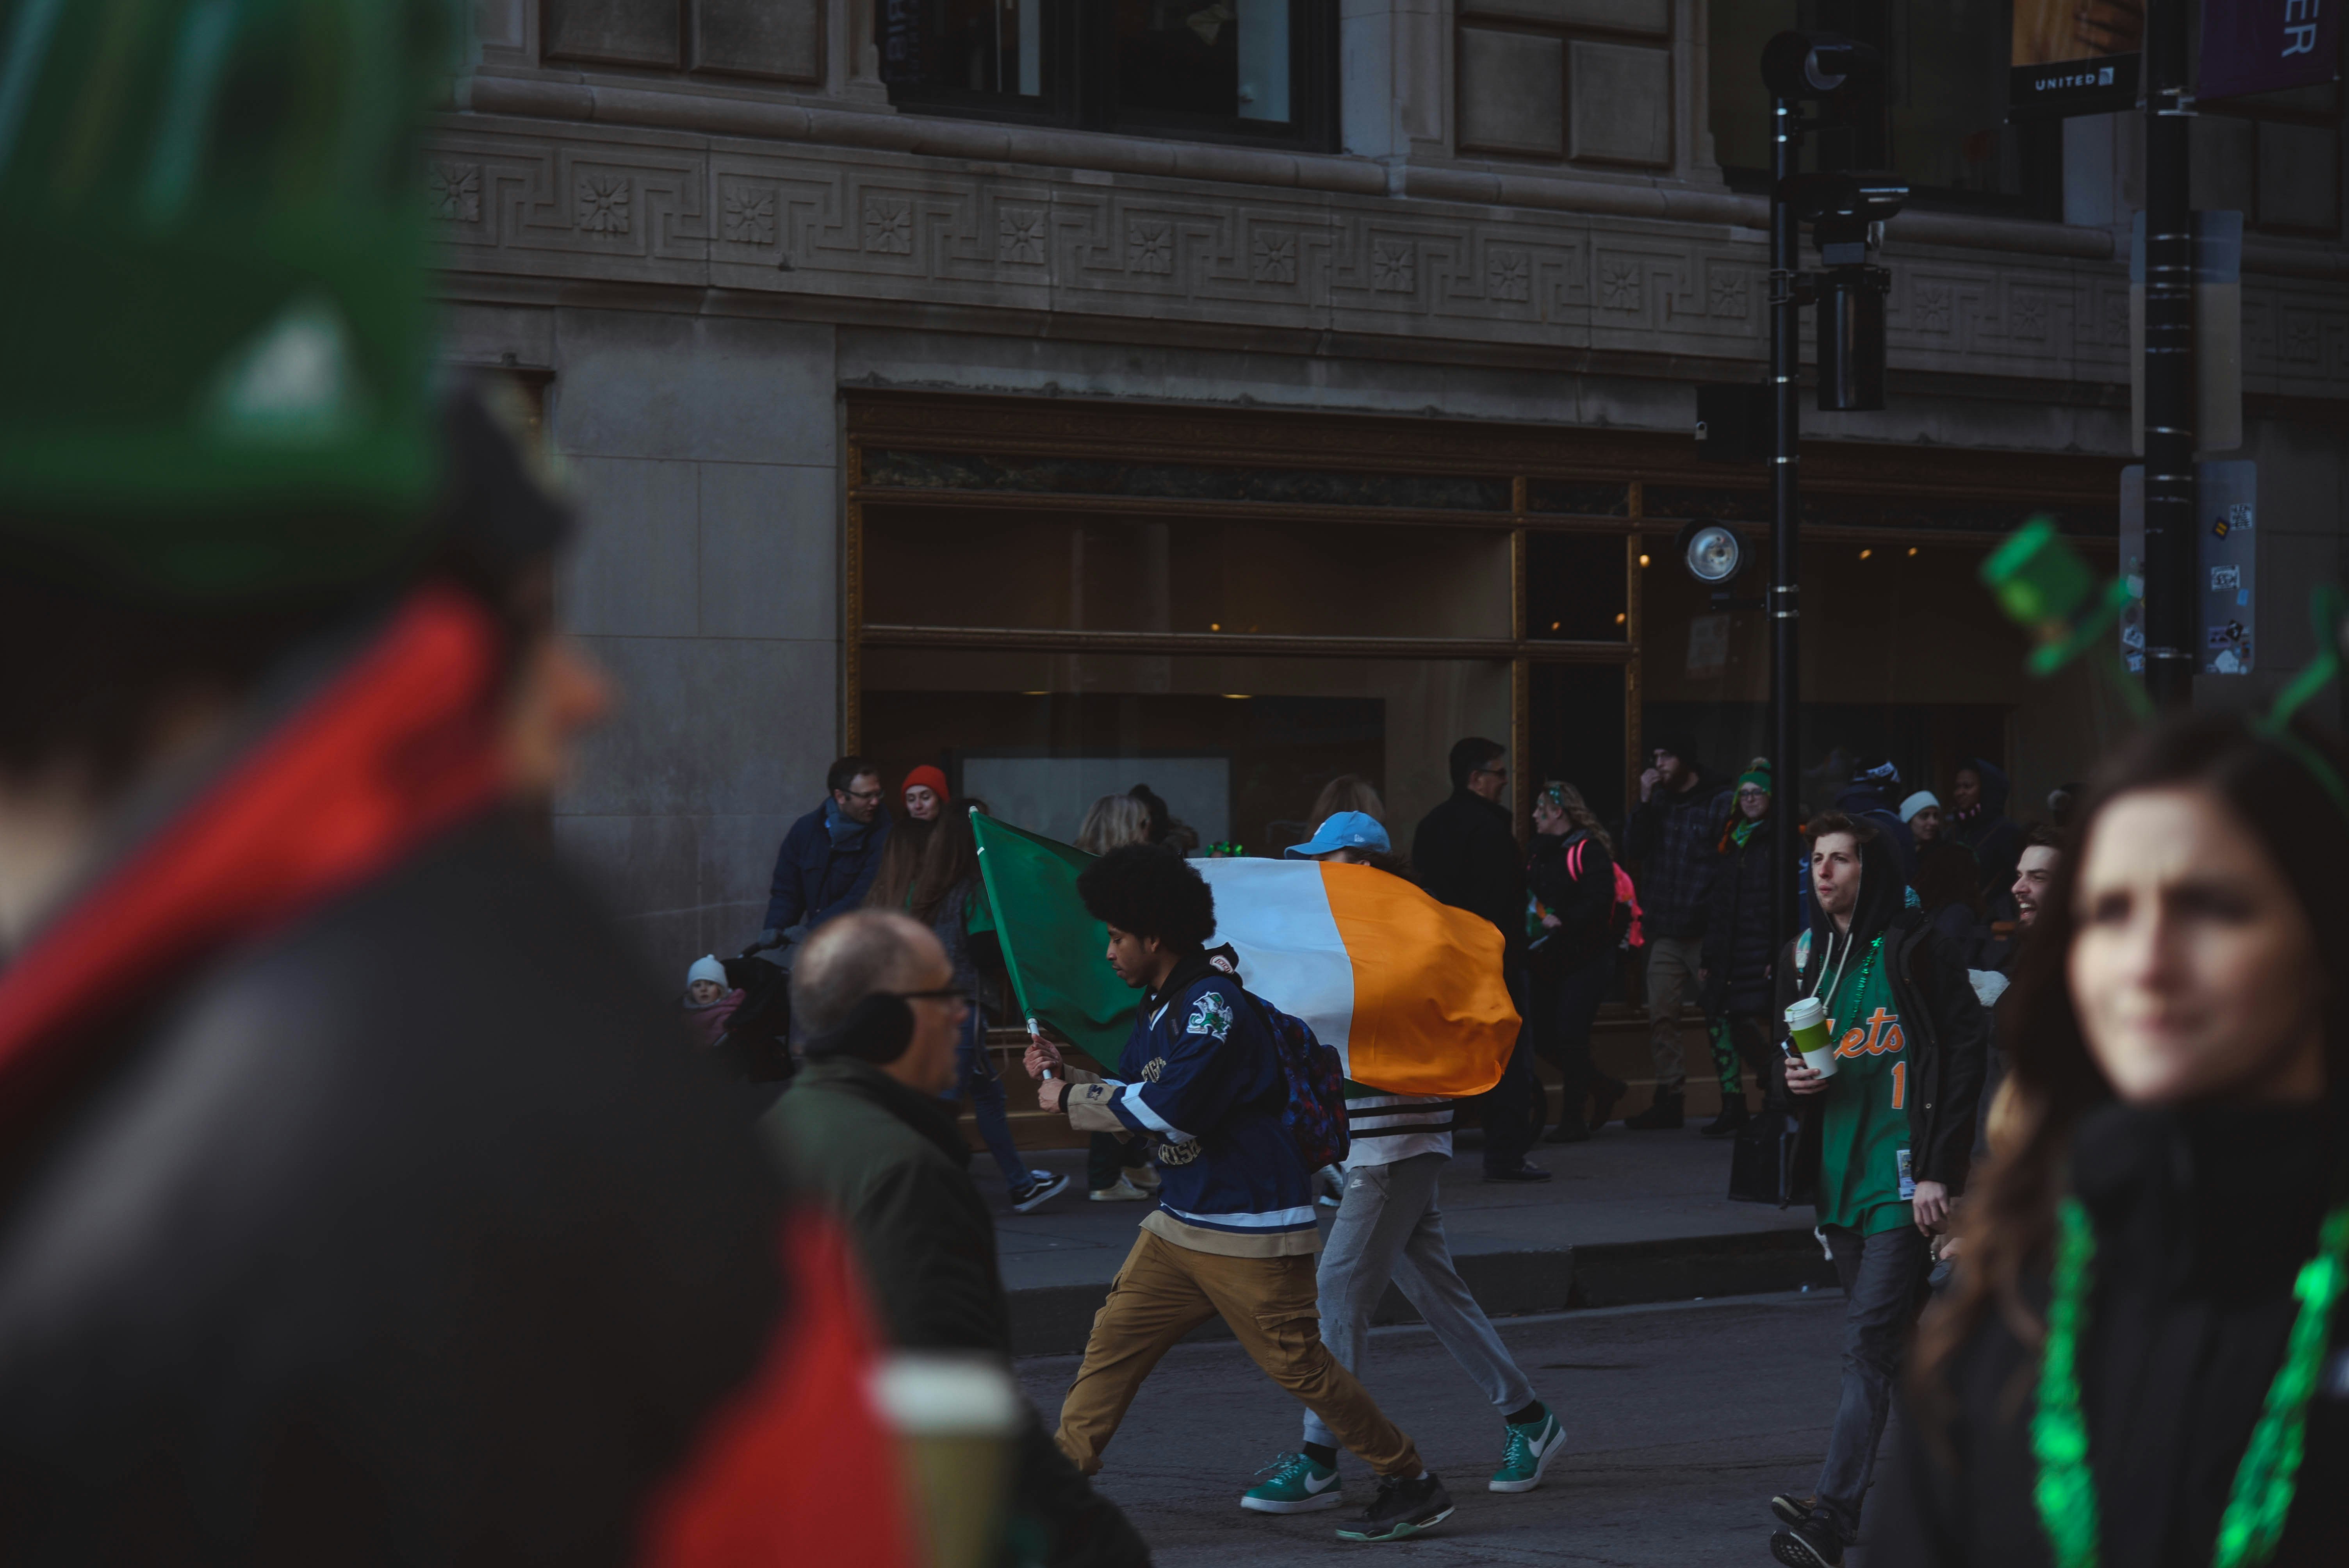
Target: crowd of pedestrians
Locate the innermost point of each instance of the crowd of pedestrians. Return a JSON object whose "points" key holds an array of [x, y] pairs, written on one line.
{"points": [[1913, 917], [364, 1204]]}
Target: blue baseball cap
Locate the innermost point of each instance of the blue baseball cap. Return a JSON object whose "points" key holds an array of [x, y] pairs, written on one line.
{"points": [[1343, 830]]}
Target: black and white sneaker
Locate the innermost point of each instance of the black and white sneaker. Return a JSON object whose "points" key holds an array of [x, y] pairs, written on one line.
{"points": [[1813, 1544], [1791, 1509], [1403, 1509], [1042, 1187]]}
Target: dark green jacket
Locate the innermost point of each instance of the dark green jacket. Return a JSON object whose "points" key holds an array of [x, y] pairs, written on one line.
{"points": [[892, 1165]]}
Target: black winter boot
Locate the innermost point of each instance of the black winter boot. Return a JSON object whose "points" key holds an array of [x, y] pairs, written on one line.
{"points": [[1661, 1116]]}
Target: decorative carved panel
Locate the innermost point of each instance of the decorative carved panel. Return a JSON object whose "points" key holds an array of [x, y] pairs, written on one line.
{"points": [[1620, 96], [892, 237], [1511, 87]]}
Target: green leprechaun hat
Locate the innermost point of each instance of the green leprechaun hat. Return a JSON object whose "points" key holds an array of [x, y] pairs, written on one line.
{"points": [[214, 344]]}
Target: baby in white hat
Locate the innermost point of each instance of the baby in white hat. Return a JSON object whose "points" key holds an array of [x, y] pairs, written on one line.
{"points": [[709, 1004]]}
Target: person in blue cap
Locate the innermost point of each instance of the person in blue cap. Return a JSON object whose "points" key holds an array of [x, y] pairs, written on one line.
{"points": [[1389, 1228]]}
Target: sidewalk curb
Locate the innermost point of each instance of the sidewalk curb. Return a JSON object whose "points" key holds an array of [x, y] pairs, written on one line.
{"points": [[1054, 1320]]}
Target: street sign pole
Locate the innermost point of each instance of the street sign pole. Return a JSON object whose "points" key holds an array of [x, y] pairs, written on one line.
{"points": [[2169, 537], [1785, 562]]}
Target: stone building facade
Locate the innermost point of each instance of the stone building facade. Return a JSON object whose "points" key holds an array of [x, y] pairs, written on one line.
{"points": [[1060, 453]]}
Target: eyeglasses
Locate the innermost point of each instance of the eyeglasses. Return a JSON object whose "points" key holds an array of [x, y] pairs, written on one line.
{"points": [[863, 794], [1496, 772]]}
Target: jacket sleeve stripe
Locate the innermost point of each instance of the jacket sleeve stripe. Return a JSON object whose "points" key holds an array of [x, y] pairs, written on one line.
{"points": [[1135, 1111]]}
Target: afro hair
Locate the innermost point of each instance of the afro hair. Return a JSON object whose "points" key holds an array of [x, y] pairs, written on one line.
{"points": [[1149, 892]]}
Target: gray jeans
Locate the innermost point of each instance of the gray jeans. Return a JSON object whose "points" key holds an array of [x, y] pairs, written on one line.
{"points": [[1883, 1280], [1389, 1228]]}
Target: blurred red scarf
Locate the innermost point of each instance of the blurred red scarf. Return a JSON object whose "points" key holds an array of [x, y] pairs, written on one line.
{"points": [[395, 747]]}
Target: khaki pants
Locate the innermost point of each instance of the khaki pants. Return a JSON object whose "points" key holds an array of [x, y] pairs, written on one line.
{"points": [[1164, 1291], [1672, 962]]}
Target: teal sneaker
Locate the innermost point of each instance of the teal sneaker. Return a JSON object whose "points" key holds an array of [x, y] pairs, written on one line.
{"points": [[1293, 1483], [1529, 1449]]}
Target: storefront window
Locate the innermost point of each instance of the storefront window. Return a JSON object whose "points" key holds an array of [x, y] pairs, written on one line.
{"points": [[931, 567], [1238, 746], [1904, 655]]}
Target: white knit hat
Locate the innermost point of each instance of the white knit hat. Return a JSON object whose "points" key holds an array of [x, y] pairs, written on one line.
{"points": [[705, 967], [1917, 803]]}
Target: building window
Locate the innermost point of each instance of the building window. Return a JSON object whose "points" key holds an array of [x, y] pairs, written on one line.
{"points": [[765, 40], [1947, 70], [1217, 70]]}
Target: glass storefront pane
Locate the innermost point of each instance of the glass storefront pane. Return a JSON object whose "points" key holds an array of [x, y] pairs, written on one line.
{"points": [[944, 567], [1222, 59], [1575, 585], [1238, 746], [1904, 655], [1578, 732]]}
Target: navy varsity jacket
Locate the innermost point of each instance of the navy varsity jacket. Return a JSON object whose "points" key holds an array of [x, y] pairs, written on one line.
{"points": [[1202, 1082]]}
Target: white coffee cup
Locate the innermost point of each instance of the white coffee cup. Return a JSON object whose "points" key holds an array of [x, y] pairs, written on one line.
{"points": [[1806, 1026]]}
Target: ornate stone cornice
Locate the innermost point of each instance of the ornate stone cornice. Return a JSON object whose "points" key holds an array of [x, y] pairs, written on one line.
{"points": [[1173, 250]]}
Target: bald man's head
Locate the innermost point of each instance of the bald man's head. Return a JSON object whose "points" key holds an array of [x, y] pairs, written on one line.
{"points": [[854, 956], [875, 953]]}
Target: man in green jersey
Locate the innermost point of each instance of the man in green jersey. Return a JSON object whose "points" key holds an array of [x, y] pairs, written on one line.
{"points": [[1887, 1136]]}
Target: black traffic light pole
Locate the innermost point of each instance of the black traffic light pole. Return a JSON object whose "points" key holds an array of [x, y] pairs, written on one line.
{"points": [[2169, 537], [1784, 602]]}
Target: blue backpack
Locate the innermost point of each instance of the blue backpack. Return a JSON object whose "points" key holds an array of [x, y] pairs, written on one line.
{"points": [[1315, 1115]]}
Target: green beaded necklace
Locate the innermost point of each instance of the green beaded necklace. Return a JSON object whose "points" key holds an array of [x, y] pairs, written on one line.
{"points": [[2261, 1497]]}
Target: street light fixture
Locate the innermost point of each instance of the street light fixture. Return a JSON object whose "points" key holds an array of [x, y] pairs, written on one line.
{"points": [[1712, 552]]}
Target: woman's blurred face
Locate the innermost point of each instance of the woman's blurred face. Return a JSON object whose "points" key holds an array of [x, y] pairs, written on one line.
{"points": [[1926, 825], [1549, 816], [1753, 801], [922, 803], [2194, 970]]}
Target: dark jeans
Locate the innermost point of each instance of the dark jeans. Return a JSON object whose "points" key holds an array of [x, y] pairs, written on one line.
{"points": [[1107, 1158], [975, 1072], [1569, 1003], [1884, 1289], [1508, 1107]]}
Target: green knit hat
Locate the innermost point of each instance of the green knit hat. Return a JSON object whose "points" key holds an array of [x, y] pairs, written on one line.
{"points": [[1757, 777], [215, 361]]}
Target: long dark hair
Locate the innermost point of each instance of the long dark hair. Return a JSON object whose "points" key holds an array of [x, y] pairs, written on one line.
{"points": [[901, 863], [950, 859], [2286, 805]]}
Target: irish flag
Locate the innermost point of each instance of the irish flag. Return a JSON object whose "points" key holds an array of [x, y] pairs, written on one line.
{"points": [[1408, 990]]}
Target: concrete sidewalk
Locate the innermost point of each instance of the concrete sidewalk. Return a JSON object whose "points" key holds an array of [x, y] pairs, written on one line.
{"points": [[1630, 1217]]}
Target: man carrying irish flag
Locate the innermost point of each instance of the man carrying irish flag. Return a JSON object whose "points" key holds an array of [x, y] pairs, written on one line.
{"points": [[1234, 1235], [1389, 1228]]}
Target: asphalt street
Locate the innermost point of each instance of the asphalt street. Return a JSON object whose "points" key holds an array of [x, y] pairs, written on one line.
{"points": [[1682, 1421]]}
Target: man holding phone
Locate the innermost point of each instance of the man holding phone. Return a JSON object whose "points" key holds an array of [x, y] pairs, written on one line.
{"points": [[1888, 1108]]}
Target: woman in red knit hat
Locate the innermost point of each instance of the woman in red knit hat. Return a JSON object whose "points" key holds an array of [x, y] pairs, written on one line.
{"points": [[925, 793]]}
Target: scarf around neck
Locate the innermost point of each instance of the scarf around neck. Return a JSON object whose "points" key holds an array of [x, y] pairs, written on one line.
{"points": [[393, 747]]}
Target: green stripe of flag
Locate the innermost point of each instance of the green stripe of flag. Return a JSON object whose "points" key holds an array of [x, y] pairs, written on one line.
{"points": [[1052, 947]]}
